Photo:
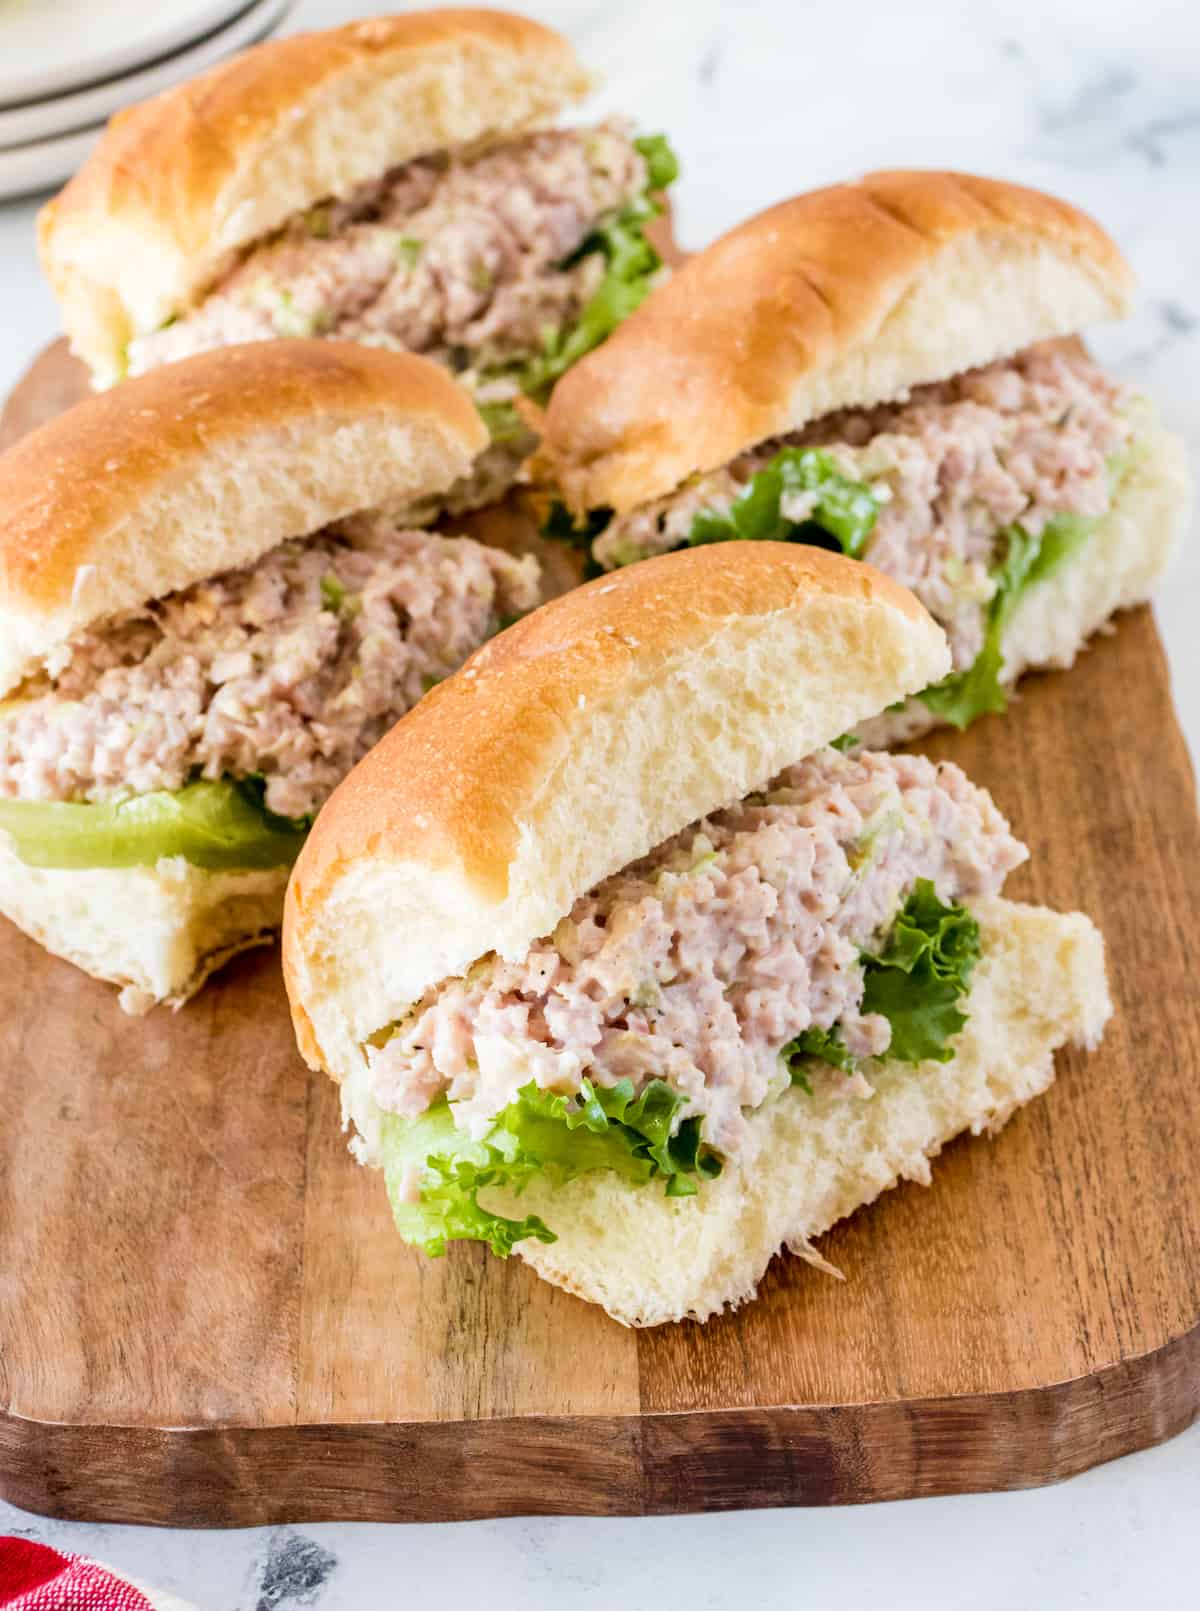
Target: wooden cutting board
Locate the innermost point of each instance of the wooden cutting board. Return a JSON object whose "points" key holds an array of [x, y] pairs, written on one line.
{"points": [[206, 1317]]}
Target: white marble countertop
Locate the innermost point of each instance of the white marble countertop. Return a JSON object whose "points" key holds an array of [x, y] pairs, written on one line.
{"points": [[1099, 101]]}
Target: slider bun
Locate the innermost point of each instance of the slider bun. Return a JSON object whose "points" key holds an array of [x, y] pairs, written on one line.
{"points": [[571, 745], [178, 185], [1040, 984], [840, 298], [159, 932], [205, 465]]}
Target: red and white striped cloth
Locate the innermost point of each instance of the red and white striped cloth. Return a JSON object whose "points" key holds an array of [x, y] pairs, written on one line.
{"points": [[34, 1577]]}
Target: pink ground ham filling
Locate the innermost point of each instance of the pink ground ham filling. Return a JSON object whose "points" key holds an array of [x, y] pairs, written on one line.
{"points": [[291, 668], [698, 964], [954, 464], [456, 256]]}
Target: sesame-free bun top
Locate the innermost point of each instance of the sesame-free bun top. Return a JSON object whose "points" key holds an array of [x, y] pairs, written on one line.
{"points": [[839, 298], [571, 745], [205, 465], [178, 185]]}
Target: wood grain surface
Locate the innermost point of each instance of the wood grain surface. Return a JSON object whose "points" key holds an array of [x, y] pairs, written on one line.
{"points": [[54, 380], [206, 1317]]}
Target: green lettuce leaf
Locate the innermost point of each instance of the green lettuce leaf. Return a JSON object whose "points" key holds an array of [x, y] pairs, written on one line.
{"points": [[917, 982], [218, 825], [606, 1128], [919, 978], [631, 264], [560, 527], [844, 515], [453, 1170], [965, 695], [662, 164], [826, 1045], [504, 424], [603, 1128]]}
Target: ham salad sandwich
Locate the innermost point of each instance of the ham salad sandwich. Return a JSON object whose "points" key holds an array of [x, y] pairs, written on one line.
{"points": [[215, 598], [623, 965], [888, 368], [396, 181]]}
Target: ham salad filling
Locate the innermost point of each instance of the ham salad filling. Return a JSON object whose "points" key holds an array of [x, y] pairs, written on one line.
{"points": [[505, 264], [459, 256], [952, 470], [701, 963], [288, 670]]}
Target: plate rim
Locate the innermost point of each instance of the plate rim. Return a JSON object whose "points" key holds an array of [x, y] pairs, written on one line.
{"points": [[91, 106], [202, 17]]}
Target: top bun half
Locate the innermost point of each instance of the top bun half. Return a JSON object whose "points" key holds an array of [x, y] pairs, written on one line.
{"points": [[181, 183], [840, 298], [571, 745], [205, 465]]}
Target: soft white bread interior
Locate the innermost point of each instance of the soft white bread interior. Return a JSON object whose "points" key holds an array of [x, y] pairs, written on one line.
{"points": [[842, 297], [1039, 985], [569, 746], [158, 932], [206, 465], [1115, 569], [178, 185]]}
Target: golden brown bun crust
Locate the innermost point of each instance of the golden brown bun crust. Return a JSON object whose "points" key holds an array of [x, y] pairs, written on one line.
{"points": [[67, 483], [571, 744], [209, 124], [811, 306], [201, 466], [195, 173], [467, 791]]}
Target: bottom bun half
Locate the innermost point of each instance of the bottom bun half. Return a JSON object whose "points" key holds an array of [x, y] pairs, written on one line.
{"points": [[1040, 985], [158, 932]]}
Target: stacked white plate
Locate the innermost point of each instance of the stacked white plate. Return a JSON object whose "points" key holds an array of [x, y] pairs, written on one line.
{"points": [[67, 65]]}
